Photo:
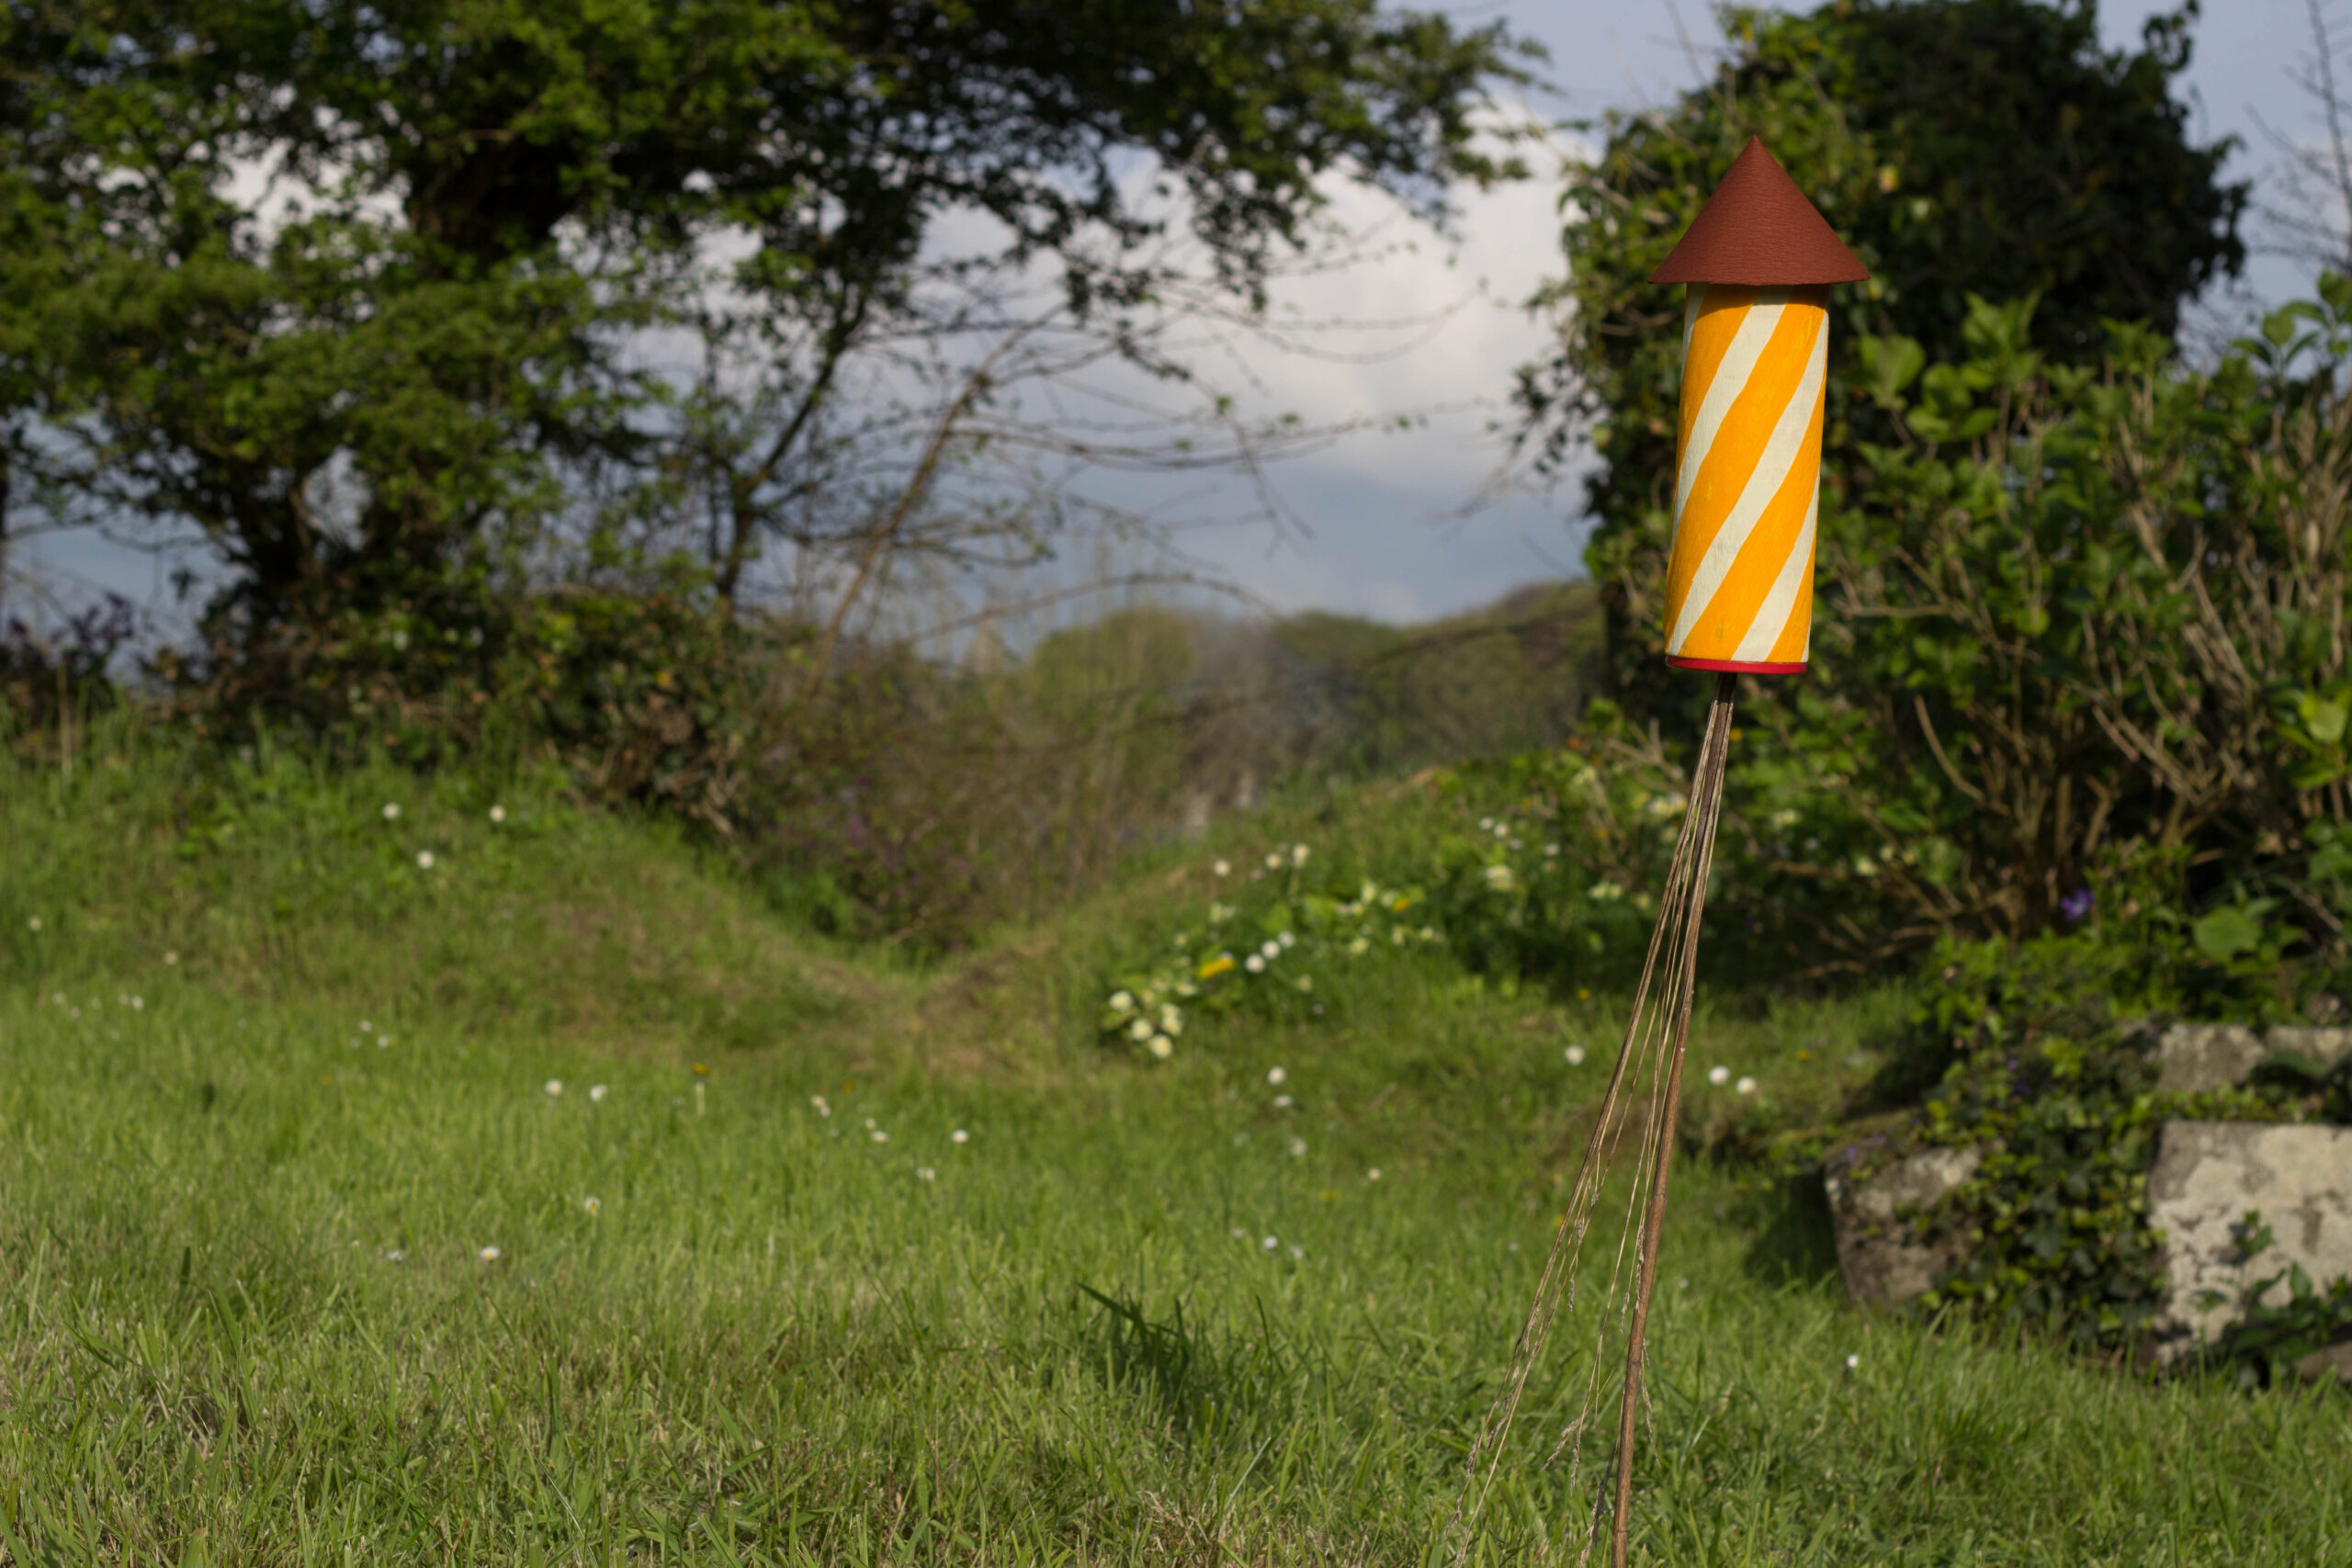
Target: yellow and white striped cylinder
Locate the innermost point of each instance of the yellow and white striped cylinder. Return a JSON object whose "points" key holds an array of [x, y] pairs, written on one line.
{"points": [[1748, 477]]}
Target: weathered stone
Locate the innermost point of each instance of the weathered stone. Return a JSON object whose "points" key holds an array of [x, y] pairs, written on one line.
{"points": [[2326, 1046], [1884, 1262], [2193, 1058], [2327, 1361], [2207, 1177]]}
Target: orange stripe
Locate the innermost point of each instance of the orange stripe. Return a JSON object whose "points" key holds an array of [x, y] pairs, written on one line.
{"points": [[1722, 309], [1732, 612], [1797, 636], [1740, 441]]}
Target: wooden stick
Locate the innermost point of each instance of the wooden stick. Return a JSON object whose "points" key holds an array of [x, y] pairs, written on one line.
{"points": [[1706, 799], [1555, 1289]]}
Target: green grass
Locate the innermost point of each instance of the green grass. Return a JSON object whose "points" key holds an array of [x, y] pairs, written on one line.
{"points": [[244, 1315]]}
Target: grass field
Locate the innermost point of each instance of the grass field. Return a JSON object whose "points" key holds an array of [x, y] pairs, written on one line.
{"points": [[552, 1201]]}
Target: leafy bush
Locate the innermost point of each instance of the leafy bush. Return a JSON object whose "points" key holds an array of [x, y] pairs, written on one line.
{"points": [[1545, 865], [48, 684], [2270, 1334], [2076, 601], [2038, 1056], [1539, 867], [2073, 620], [1924, 131]]}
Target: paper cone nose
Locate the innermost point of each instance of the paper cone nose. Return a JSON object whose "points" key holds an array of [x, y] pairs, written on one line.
{"points": [[1757, 229]]}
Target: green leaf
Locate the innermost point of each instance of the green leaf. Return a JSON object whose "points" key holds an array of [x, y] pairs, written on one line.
{"points": [[2225, 934], [1891, 363], [1928, 425]]}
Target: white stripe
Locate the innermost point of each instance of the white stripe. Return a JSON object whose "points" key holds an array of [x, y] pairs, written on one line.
{"points": [[1738, 364], [1772, 464], [1697, 298], [1772, 615]]}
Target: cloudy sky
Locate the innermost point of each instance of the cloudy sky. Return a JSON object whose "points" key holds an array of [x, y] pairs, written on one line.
{"points": [[1406, 525]]}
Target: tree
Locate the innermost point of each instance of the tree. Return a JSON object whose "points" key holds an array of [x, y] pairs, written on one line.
{"points": [[358, 291], [2309, 214], [1961, 147]]}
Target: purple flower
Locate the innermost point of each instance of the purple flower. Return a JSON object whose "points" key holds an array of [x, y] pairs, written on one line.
{"points": [[2075, 905]]}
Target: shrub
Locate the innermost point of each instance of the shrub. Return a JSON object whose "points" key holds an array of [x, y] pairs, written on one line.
{"points": [[1295, 928], [2073, 618], [2038, 1055], [49, 684], [1923, 129]]}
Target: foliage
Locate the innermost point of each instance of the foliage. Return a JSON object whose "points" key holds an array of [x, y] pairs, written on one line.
{"points": [[1545, 863], [2091, 655], [1537, 867], [2282, 1318], [2038, 1056], [2054, 1219], [48, 683], [1510, 677], [2079, 608], [905, 798], [1960, 147], [1289, 940]]}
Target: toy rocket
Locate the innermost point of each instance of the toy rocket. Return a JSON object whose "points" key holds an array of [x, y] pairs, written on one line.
{"points": [[1758, 260]]}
